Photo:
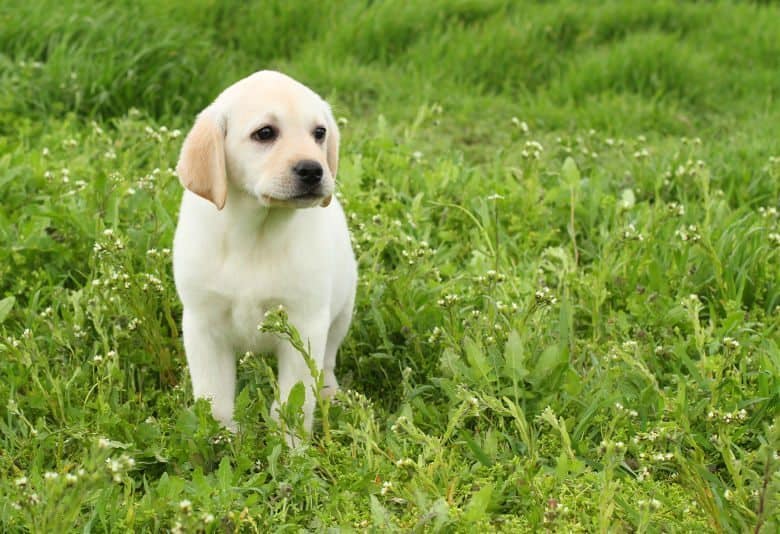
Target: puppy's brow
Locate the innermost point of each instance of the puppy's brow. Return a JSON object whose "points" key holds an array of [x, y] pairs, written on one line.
{"points": [[268, 118]]}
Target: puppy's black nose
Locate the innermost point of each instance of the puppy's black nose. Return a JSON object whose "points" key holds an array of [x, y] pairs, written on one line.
{"points": [[309, 171]]}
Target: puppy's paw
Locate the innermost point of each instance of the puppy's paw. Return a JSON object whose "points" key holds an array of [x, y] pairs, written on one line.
{"points": [[330, 386], [328, 392], [231, 426], [293, 439]]}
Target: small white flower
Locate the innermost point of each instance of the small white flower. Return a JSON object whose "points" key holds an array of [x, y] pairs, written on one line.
{"points": [[387, 486], [404, 462], [21, 482], [545, 296], [520, 124], [185, 505], [113, 465], [676, 209]]}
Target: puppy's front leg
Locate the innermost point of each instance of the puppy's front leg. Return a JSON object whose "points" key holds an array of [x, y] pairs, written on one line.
{"points": [[293, 367], [212, 366]]}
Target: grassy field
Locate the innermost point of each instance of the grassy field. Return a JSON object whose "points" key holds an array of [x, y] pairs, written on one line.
{"points": [[566, 218]]}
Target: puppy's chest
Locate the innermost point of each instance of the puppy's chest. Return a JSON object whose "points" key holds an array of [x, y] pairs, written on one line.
{"points": [[254, 277], [255, 283], [247, 304]]}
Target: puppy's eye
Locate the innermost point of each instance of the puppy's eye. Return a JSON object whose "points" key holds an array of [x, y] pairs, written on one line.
{"points": [[265, 134], [319, 133]]}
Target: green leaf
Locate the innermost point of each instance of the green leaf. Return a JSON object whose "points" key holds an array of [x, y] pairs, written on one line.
{"points": [[6, 305], [273, 461], [379, 515], [478, 505], [224, 474], [515, 358], [296, 398], [450, 363], [565, 321], [548, 365], [476, 358], [479, 454], [571, 174], [565, 466]]}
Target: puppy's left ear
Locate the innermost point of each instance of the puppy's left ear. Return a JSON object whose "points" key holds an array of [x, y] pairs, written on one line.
{"points": [[332, 142], [331, 148]]}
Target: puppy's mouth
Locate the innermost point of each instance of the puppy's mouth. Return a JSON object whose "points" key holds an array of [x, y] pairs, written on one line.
{"points": [[303, 200]]}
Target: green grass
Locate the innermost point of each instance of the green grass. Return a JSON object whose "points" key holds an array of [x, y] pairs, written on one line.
{"points": [[566, 218]]}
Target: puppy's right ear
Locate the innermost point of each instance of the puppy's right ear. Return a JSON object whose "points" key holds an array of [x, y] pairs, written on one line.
{"points": [[201, 166]]}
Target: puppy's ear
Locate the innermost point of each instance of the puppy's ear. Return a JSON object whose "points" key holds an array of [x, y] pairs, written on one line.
{"points": [[332, 142], [201, 166]]}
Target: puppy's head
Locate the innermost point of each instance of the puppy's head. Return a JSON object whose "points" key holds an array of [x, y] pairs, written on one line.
{"points": [[268, 136]]}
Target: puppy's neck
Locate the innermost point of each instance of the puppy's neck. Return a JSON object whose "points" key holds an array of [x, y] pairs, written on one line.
{"points": [[244, 211]]}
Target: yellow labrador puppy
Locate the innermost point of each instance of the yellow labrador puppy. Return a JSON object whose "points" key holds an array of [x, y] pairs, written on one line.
{"points": [[259, 228]]}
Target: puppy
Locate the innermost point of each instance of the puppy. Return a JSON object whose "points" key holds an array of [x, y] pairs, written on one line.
{"points": [[259, 228]]}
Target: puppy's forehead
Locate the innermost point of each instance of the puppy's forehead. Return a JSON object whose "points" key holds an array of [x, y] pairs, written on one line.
{"points": [[273, 95]]}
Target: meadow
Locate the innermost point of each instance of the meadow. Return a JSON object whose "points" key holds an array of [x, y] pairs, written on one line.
{"points": [[566, 220]]}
